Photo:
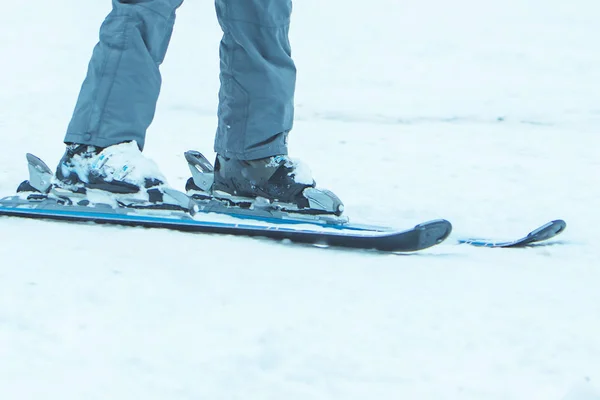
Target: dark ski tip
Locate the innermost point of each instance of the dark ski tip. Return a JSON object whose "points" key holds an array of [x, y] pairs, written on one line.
{"points": [[541, 234], [433, 232], [422, 236]]}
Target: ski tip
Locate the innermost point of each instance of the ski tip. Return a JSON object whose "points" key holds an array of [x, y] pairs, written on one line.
{"points": [[559, 226], [433, 232], [547, 231], [543, 233]]}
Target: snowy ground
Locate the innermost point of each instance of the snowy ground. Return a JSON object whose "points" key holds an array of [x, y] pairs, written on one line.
{"points": [[484, 113]]}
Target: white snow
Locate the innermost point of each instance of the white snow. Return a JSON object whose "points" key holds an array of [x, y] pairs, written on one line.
{"points": [[122, 162], [125, 162], [302, 172], [484, 113]]}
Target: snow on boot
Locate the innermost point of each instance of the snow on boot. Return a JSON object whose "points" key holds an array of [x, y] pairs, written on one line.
{"points": [[119, 172]]}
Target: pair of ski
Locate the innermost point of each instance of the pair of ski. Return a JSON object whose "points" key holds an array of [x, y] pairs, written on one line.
{"points": [[214, 216]]}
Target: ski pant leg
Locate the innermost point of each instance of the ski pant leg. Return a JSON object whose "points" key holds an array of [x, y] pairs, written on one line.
{"points": [[258, 78], [118, 97]]}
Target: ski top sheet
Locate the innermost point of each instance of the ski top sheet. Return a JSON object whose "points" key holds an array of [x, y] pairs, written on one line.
{"points": [[541, 234], [300, 230]]}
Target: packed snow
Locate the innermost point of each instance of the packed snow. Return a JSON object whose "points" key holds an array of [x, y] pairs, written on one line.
{"points": [[483, 113]]}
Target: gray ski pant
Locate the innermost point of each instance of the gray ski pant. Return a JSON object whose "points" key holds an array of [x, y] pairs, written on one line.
{"points": [[118, 97]]}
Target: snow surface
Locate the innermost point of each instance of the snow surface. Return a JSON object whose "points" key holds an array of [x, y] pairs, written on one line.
{"points": [[484, 113]]}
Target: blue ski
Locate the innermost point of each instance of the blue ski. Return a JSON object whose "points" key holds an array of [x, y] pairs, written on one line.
{"points": [[299, 230]]}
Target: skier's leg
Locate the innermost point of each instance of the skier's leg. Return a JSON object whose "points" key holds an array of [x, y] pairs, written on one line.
{"points": [[117, 103], [258, 77], [256, 111], [118, 98]]}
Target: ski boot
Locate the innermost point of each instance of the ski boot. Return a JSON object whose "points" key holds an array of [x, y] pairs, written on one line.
{"points": [[118, 175], [276, 182]]}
